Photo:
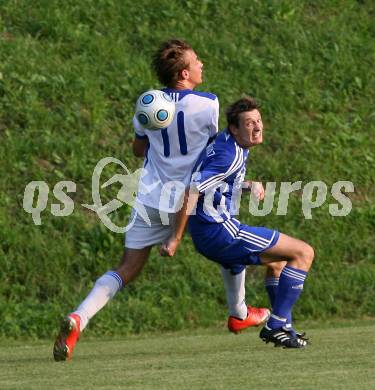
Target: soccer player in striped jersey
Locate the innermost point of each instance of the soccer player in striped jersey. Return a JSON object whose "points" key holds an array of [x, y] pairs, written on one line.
{"points": [[170, 155], [220, 237]]}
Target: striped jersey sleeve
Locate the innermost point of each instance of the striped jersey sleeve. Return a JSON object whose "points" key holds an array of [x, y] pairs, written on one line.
{"points": [[220, 163]]}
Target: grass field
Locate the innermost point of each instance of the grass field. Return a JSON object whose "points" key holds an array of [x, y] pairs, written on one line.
{"points": [[338, 358]]}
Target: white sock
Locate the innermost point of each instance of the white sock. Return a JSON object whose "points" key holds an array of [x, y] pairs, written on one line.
{"points": [[104, 289], [235, 291]]}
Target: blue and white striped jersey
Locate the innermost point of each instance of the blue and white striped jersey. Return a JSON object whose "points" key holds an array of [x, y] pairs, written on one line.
{"points": [[173, 151], [218, 175]]}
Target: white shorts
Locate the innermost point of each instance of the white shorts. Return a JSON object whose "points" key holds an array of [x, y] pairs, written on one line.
{"points": [[141, 235]]}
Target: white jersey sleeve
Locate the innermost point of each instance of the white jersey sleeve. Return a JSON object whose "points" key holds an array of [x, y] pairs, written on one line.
{"points": [[214, 127], [138, 129]]}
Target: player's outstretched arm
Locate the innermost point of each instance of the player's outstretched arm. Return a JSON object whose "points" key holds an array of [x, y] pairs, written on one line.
{"points": [[169, 247]]}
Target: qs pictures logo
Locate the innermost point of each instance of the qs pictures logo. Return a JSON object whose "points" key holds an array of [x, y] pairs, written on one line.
{"points": [[36, 196]]}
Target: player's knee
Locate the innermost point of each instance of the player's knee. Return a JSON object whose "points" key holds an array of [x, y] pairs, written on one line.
{"points": [[307, 255], [310, 253]]}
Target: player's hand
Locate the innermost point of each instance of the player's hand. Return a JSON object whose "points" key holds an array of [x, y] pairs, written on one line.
{"points": [[168, 248], [257, 189]]}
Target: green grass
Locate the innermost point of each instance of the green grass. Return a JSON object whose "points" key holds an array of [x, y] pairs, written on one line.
{"points": [[70, 74], [338, 358]]}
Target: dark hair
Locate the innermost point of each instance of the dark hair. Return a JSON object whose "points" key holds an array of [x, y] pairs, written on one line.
{"points": [[169, 61], [244, 104]]}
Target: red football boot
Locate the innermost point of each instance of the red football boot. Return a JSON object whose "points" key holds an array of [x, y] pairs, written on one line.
{"points": [[255, 317], [67, 338]]}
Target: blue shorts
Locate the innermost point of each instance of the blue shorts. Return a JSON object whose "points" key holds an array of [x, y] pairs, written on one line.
{"points": [[230, 243]]}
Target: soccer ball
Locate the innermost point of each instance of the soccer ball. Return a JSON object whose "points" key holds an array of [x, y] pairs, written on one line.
{"points": [[155, 110]]}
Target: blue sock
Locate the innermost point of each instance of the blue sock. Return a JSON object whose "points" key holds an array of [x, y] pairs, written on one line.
{"points": [[271, 285], [290, 287]]}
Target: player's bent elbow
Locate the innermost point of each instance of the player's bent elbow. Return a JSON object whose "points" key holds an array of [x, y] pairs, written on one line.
{"points": [[140, 147], [139, 150], [138, 153]]}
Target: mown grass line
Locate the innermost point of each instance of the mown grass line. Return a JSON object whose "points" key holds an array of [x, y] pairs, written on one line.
{"points": [[338, 358]]}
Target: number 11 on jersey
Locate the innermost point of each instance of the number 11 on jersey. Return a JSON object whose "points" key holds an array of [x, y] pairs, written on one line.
{"points": [[181, 136]]}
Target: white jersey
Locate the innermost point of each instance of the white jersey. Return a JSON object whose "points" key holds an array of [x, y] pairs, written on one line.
{"points": [[173, 151]]}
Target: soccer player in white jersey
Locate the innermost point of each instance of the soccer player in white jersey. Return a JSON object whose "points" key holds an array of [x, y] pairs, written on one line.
{"points": [[220, 237], [170, 155]]}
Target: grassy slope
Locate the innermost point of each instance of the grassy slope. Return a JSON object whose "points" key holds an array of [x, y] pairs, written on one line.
{"points": [[69, 76], [339, 358]]}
